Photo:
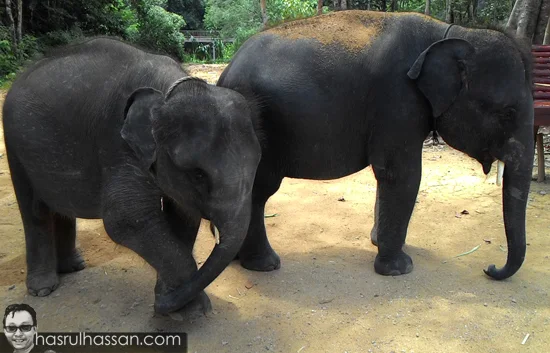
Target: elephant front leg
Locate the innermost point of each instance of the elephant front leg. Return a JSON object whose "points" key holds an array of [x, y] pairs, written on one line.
{"points": [[395, 198], [149, 233], [256, 253]]}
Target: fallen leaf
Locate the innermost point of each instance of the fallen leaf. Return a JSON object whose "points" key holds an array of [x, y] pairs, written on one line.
{"points": [[271, 215], [487, 241], [341, 199], [468, 252], [464, 212]]}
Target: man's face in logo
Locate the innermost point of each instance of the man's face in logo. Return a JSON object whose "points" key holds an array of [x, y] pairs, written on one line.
{"points": [[19, 329]]}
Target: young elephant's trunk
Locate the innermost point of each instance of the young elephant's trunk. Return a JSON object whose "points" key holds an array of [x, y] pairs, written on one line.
{"points": [[515, 192], [233, 230]]}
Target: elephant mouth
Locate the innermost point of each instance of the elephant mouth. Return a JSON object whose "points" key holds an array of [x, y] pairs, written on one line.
{"points": [[486, 160]]}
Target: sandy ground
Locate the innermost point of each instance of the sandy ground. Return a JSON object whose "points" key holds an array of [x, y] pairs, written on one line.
{"points": [[326, 297]]}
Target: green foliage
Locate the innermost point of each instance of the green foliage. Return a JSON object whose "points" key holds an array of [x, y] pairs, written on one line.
{"points": [[12, 57], [56, 38], [192, 12], [495, 12], [240, 19], [283, 10], [157, 28], [233, 17]]}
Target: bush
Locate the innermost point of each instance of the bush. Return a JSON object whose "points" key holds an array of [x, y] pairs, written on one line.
{"points": [[157, 28], [13, 57]]}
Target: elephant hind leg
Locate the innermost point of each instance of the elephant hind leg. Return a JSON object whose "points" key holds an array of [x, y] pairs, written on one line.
{"points": [[69, 258], [38, 223]]}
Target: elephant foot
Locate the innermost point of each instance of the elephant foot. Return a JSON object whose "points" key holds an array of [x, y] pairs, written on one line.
{"points": [[42, 284], [396, 265], [200, 304], [263, 263], [71, 263]]}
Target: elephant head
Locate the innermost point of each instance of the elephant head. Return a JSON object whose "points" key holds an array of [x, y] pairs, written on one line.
{"points": [[479, 90], [199, 144]]}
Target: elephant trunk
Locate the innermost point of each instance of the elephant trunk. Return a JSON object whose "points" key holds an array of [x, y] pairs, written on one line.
{"points": [[232, 235], [515, 192]]}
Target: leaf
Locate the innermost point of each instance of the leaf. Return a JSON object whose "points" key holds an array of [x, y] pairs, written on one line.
{"points": [[271, 215], [468, 252]]}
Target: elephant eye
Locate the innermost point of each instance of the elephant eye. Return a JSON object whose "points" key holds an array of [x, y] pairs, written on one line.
{"points": [[199, 174], [508, 114]]}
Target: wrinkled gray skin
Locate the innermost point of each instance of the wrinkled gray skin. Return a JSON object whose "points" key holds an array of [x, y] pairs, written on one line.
{"points": [[92, 133], [329, 111]]}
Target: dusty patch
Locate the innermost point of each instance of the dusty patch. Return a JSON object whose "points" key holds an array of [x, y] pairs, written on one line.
{"points": [[352, 29]]}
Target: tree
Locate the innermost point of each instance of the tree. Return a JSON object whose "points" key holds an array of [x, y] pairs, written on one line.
{"points": [[527, 20], [427, 8], [19, 33], [449, 11], [11, 23], [263, 7], [319, 7], [192, 11]]}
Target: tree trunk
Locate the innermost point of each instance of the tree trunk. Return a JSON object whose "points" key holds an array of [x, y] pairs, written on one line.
{"points": [[319, 7], [368, 5], [471, 16], [448, 11], [336, 5], [475, 6], [383, 7], [547, 34], [19, 32], [524, 16], [263, 7], [11, 24], [343, 4], [394, 5], [542, 21], [427, 9]]}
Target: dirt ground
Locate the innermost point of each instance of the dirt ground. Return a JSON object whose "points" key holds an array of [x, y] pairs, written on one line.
{"points": [[326, 297]]}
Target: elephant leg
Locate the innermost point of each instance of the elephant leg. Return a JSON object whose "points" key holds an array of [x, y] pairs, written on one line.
{"points": [[136, 221], [38, 223], [185, 226], [256, 253], [69, 258], [396, 196], [374, 231]]}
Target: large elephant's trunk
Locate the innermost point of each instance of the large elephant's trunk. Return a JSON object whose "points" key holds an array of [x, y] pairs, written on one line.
{"points": [[515, 193]]}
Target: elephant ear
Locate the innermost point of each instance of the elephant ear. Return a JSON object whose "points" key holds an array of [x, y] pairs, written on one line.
{"points": [[441, 72], [137, 130]]}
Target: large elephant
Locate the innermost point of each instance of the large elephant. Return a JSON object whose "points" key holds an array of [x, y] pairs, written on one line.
{"points": [[102, 129], [350, 89]]}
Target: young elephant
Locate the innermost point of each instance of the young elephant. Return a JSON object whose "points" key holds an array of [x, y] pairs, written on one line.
{"points": [[104, 130], [355, 88]]}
